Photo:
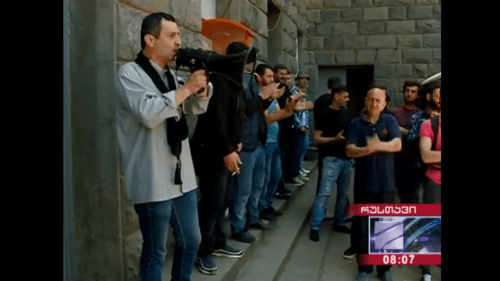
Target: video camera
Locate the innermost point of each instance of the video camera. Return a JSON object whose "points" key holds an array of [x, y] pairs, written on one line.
{"points": [[230, 66]]}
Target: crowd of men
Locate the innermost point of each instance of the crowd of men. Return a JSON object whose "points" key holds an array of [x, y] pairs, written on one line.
{"points": [[250, 139]]}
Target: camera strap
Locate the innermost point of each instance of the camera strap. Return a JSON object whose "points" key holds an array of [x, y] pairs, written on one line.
{"points": [[177, 131]]}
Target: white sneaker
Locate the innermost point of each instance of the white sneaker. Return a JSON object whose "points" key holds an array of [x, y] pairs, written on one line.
{"points": [[304, 171], [426, 277]]}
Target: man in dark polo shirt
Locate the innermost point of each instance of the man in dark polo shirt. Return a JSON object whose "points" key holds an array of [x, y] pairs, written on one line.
{"points": [[372, 138]]}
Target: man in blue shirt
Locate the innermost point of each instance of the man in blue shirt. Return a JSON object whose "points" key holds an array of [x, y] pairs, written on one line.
{"points": [[372, 138]]}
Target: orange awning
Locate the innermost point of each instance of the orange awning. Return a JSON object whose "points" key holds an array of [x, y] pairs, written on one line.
{"points": [[224, 31]]}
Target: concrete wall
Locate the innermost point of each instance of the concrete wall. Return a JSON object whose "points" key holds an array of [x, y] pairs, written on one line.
{"points": [[401, 38]]}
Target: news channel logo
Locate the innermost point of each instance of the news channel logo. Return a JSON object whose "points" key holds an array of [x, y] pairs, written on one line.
{"points": [[415, 235]]}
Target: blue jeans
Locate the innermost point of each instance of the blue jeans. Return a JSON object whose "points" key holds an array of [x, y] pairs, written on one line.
{"points": [[272, 177], [154, 218], [247, 189], [336, 177]]}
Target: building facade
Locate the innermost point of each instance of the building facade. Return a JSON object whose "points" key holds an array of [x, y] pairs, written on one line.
{"points": [[390, 41]]}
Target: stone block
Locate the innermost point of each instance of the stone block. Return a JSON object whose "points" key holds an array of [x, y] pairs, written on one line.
{"points": [[403, 70], [316, 43], [261, 4], [128, 32], [150, 5], [325, 58], [254, 18], [420, 70], [260, 43], [436, 56], [371, 28], [420, 12], [314, 4], [354, 42], [436, 12], [337, 3], [397, 13], [330, 15], [289, 44], [333, 43], [432, 41], [427, 2], [409, 41], [311, 58], [287, 25], [350, 28], [417, 56], [314, 16], [362, 3], [384, 71], [433, 68], [366, 56], [325, 29], [428, 26], [376, 14], [194, 39], [388, 56], [381, 42], [345, 57], [400, 27], [392, 3], [352, 15]]}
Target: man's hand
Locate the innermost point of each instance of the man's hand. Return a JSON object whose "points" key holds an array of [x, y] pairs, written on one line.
{"points": [[303, 105], [269, 90], [232, 162], [373, 144], [197, 82], [339, 136]]}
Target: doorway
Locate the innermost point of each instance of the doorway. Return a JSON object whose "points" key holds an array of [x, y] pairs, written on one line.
{"points": [[357, 79]]}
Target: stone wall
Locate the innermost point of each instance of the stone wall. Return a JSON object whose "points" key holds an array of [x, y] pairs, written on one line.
{"points": [[401, 38]]}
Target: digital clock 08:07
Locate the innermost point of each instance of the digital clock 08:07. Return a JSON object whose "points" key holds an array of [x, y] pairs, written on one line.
{"points": [[400, 259]]}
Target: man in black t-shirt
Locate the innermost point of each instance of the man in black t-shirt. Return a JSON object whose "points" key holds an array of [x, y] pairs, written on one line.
{"points": [[330, 128]]}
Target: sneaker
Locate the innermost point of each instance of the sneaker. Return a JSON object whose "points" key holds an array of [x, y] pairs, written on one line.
{"points": [[260, 225], [274, 211], [362, 276], [342, 228], [206, 265], [303, 178], [349, 253], [266, 215], [387, 276], [243, 236], [426, 277], [314, 235], [295, 181], [305, 171], [228, 252], [282, 195]]}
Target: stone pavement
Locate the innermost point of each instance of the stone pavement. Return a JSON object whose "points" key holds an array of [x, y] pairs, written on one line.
{"points": [[286, 253]]}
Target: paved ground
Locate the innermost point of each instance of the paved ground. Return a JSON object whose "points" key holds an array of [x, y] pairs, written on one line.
{"points": [[286, 253]]}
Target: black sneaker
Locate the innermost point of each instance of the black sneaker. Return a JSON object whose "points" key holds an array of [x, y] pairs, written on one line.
{"points": [[266, 215], [206, 265], [228, 252], [260, 225], [243, 236], [281, 195], [314, 235], [350, 253], [274, 211], [342, 228]]}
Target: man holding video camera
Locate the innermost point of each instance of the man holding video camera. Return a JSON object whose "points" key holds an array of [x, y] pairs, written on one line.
{"points": [[155, 155]]}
